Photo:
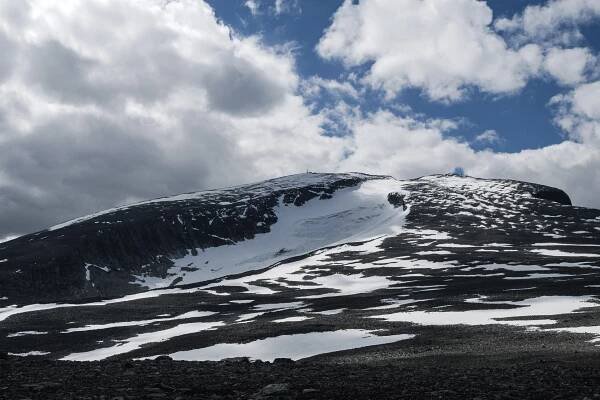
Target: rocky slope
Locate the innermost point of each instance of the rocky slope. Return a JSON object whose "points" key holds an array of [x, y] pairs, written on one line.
{"points": [[119, 251], [528, 376], [338, 268], [102, 255]]}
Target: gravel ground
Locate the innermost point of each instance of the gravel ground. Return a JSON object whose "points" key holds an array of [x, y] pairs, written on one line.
{"points": [[510, 376]]}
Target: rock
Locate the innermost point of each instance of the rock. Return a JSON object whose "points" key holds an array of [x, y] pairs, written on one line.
{"points": [[42, 386], [164, 387], [397, 200], [274, 389], [283, 361], [119, 242], [163, 358], [237, 359], [552, 194]]}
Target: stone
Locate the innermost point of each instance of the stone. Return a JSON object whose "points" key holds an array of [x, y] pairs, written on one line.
{"points": [[283, 361], [275, 388]]}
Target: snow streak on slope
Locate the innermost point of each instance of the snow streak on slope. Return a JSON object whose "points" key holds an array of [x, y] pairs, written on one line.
{"points": [[295, 347], [353, 214]]}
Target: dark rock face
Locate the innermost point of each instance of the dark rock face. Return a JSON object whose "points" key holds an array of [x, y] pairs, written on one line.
{"points": [[553, 194], [397, 200]]}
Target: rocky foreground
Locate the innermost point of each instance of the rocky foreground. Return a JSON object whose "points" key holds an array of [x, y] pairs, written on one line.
{"points": [[526, 376], [440, 287]]}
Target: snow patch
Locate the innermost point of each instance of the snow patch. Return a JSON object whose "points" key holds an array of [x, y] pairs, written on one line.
{"points": [[292, 319], [31, 353], [188, 315], [559, 253], [295, 347], [539, 306], [136, 342], [26, 333]]}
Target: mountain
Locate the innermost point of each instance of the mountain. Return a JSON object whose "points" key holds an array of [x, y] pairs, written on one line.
{"points": [[188, 238], [351, 265]]}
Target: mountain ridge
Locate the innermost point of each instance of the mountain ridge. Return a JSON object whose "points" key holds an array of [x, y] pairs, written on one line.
{"points": [[147, 237], [346, 267]]}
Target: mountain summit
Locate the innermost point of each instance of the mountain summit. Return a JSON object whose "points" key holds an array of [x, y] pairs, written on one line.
{"points": [[200, 236], [304, 265]]}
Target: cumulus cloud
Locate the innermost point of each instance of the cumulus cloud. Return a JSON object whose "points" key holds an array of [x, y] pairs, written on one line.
{"points": [[446, 47], [172, 101], [315, 86], [489, 136], [556, 19], [569, 66], [578, 113], [253, 6], [443, 47], [276, 7], [406, 148]]}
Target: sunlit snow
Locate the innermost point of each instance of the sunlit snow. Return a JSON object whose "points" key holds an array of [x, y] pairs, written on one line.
{"points": [[294, 347]]}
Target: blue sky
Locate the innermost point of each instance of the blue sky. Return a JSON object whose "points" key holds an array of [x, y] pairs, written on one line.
{"points": [[523, 120], [109, 102]]}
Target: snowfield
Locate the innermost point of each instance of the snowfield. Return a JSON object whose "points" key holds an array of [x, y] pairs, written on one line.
{"points": [[353, 215]]}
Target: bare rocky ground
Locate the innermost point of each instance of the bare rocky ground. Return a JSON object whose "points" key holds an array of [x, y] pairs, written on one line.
{"points": [[545, 375], [446, 362]]}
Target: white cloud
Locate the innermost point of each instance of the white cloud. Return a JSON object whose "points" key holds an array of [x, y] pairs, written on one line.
{"points": [[489, 136], [315, 85], [403, 146], [555, 18], [253, 6], [287, 6], [171, 101], [407, 148], [446, 47], [578, 113], [441, 46], [276, 7], [569, 66], [586, 100]]}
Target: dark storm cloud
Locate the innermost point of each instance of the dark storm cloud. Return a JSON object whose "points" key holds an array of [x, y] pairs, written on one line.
{"points": [[62, 73], [240, 88], [63, 170], [105, 103], [7, 60]]}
